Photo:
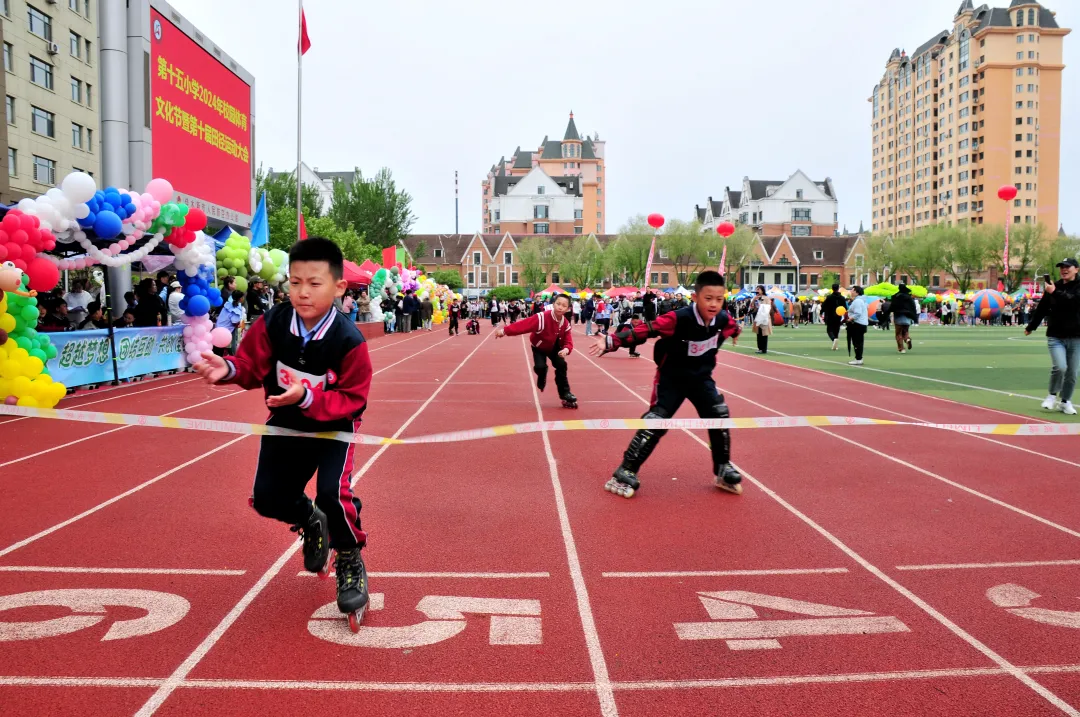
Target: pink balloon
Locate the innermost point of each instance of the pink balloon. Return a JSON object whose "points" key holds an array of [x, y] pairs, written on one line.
{"points": [[114, 249], [160, 189], [220, 337], [198, 330], [193, 358]]}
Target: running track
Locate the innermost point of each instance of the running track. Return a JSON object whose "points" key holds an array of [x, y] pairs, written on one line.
{"points": [[583, 603]]}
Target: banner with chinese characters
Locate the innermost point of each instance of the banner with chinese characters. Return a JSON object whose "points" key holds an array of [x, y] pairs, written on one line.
{"points": [[83, 357]]}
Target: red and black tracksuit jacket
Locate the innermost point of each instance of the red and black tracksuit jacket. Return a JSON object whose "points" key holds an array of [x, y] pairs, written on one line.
{"points": [[546, 333], [687, 346]]}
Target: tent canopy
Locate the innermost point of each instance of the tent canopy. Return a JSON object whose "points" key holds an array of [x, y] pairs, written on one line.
{"points": [[358, 275], [621, 291]]}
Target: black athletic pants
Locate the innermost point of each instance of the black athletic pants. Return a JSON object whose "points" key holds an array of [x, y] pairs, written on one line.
{"points": [[833, 329], [669, 392], [762, 342], [857, 332], [540, 359], [286, 465], [453, 324]]}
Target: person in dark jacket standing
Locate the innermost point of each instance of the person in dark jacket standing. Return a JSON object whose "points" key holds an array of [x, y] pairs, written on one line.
{"points": [[588, 312], [905, 313], [832, 302], [650, 306], [409, 307], [1060, 306]]}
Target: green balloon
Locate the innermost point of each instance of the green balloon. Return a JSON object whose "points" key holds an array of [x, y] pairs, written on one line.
{"points": [[222, 253], [24, 343], [268, 271], [241, 284], [20, 325], [50, 352], [184, 209], [222, 273], [29, 314], [39, 353]]}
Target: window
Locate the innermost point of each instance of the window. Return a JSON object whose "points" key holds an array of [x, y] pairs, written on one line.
{"points": [[89, 56], [508, 258], [818, 255], [44, 170], [89, 140], [1019, 88], [11, 162], [800, 230], [476, 258], [438, 254], [42, 122], [577, 230], [540, 190], [10, 109], [798, 194], [41, 73], [554, 277], [497, 212], [514, 278], [40, 23], [76, 90], [598, 215], [800, 215], [86, 8], [75, 46], [654, 278], [74, 5], [540, 211], [7, 56], [663, 253], [541, 228], [76, 135], [577, 214], [472, 278]]}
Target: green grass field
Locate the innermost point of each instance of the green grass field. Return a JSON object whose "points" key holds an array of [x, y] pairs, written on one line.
{"points": [[996, 367]]}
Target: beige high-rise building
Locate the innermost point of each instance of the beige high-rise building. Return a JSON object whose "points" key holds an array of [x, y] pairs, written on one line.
{"points": [[51, 62], [972, 109]]}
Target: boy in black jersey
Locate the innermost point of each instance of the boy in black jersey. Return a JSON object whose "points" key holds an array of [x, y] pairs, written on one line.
{"points": [[313, 366], [685, 358]]}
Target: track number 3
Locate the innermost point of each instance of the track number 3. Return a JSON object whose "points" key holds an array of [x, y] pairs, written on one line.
{"points": [[285, 375]]}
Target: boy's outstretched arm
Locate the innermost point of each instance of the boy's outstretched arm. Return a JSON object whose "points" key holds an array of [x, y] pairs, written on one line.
{"points": [[253, 359]]}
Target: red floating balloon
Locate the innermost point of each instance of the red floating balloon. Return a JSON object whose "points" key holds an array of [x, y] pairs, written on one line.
{"points": [[656, 220], [3, 253], [26, 222], [10, 222], [196, 219], [725, 229], [1007, 192], [20, 264], [19, 236], [43, 274]]}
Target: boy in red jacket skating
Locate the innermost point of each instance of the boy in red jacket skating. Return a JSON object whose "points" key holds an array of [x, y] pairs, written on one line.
{"points": [[549, 334]]}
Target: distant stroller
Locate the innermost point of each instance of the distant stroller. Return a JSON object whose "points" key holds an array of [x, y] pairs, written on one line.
{"points": [[473, 326]]}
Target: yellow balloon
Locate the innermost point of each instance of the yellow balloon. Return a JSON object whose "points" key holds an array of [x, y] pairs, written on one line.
{"points": [[7, 321], [20, 386], [10, 368], [840, 311], [59, 391], [5, 388], [28, 401], [44, 378], [18, 353], [3, 354], [32, 366]]}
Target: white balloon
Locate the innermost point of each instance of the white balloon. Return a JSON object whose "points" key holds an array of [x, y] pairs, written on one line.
{"points": [[27, 206], [55, 193], [79, 187]]}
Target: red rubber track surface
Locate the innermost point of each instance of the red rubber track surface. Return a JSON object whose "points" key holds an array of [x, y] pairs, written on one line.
{"points": [[915, 529]]}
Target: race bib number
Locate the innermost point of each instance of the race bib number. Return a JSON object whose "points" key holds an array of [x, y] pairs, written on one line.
{"points": [[697, 348], [309, 381]]}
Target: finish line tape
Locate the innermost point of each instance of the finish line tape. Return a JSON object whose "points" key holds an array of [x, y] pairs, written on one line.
{"points": [[598, 424]]}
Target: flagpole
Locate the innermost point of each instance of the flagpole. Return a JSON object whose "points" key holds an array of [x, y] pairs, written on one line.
{"points": [[299, 113]]}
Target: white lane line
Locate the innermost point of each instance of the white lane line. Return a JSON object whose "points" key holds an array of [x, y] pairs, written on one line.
{"points": [[103, 400], [392, 344], [48, 531], [410, 356], [878, 386], [111, 430], [602, 679], [904, 415], [637, 685], [967, 637], [481, 576], [976, 566], [725, 573], [1011, 394], [115, 571], [930, 474], [179, 675]]}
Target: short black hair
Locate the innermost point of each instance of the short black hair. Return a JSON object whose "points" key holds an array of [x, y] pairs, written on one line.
{"points": [[858, 290], [563, 296], [708, 278], [836, 287], [319, 249], [93, 307]]}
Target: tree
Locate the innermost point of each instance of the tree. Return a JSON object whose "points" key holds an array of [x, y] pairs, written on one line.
{"points": [[537, 257], [740, 250], [450, 277], [506, 293], [582, 262], [280, 191], [375, 207], [629, 254], [880, 253], [1027, 242], [827, 279], [687, 247], [421, 250], [921, 254], [353, 246], [1054, 251], [967, 251]]}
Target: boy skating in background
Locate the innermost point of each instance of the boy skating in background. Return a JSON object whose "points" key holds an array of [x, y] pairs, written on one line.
{"points": [[685, 357], [549, 334], [313, 365]]}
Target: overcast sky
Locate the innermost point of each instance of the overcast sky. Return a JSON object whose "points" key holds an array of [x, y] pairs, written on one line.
{"points": [[690, 96]]}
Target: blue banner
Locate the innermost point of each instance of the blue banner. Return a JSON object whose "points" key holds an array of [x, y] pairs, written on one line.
{"points": [[83, 357]]}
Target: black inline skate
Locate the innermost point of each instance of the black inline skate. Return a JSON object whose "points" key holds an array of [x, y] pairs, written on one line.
{"points": [[729, 479], [568, 399], [352, 589], [623, 482], [316, 537]]}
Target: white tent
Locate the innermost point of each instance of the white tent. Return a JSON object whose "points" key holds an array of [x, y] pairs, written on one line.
{"points": [[683, 291]]}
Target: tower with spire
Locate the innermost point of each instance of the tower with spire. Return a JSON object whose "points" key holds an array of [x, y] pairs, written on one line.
{"points": [[575, 163]]}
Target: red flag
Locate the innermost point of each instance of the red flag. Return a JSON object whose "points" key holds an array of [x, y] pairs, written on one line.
{"points": [[303, 228], [648, 265], [723, 260], [305, 41]]}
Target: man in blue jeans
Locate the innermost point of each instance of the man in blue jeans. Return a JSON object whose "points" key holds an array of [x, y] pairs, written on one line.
{"points": [[1060, 306]]}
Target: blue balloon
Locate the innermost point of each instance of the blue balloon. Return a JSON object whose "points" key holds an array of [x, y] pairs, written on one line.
{"points": [[87, 221], [129, 208], [107, 225], [214, 295], [191, 290], [125, 198], [197, 306], [182, 304]]}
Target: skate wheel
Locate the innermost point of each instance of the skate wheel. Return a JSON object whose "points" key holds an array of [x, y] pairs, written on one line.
{"points": [[355, 618], [324, 572], [627, 492]]}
